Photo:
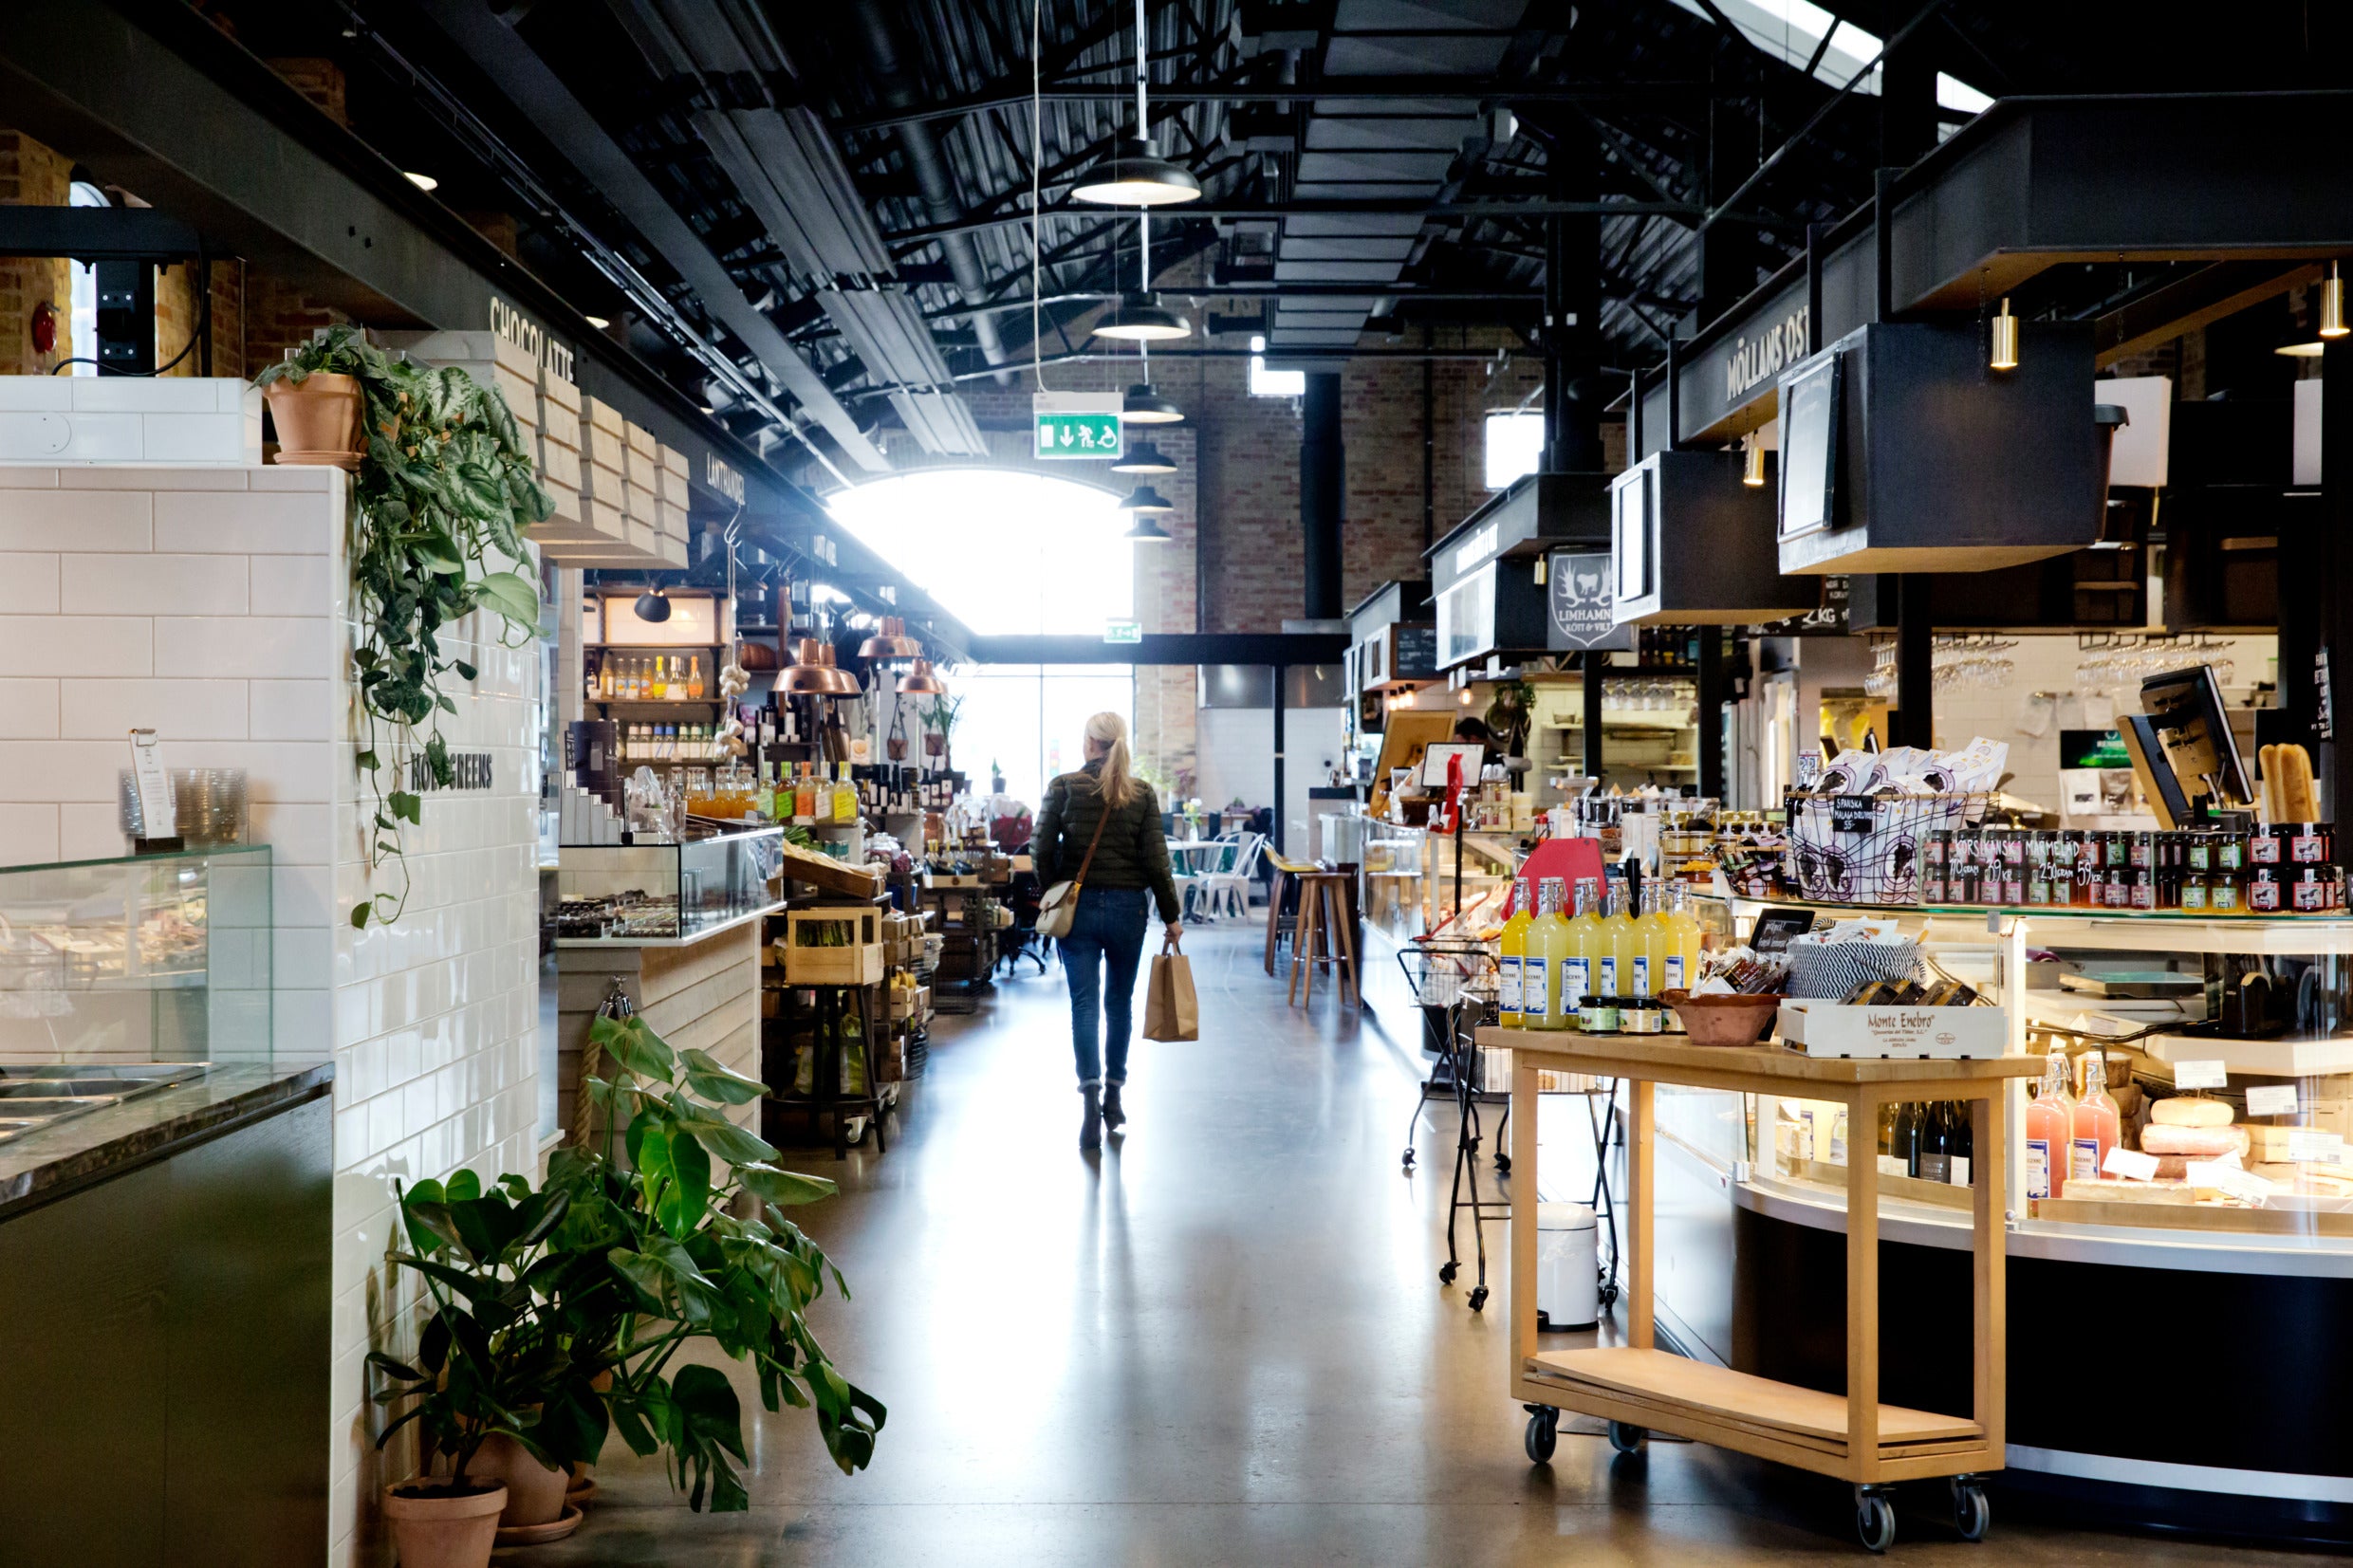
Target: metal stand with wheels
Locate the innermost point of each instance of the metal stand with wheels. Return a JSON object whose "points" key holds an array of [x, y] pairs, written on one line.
{"points": [[1451, 976]]}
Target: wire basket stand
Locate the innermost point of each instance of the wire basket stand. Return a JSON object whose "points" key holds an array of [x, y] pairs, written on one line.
{"points": [[1865, 849], [1450, 986]]}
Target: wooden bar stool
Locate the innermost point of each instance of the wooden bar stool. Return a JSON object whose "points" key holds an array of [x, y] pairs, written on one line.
{"points": [[1284, 879], [1323, 934]]}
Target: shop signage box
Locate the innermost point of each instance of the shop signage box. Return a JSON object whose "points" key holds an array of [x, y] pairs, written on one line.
{"points": [[1691, 544], [1935, 462], [1833, 1030]]}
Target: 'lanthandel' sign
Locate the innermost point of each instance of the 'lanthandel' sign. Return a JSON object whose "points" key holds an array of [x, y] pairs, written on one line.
{"points": [[1077, 424]]}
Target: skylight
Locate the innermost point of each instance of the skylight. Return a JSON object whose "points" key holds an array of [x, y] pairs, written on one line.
{"points": [[1793, 31]]}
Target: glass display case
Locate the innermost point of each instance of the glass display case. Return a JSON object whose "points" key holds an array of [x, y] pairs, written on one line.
{"points": [[121, 977], [1410, 878], [637, 894]]}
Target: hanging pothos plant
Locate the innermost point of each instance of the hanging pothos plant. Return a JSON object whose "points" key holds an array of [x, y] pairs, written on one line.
{"points": [[444, 487]]}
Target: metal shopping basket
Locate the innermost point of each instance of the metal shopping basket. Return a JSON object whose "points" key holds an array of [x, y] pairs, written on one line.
{"points": [[1453, 985]]}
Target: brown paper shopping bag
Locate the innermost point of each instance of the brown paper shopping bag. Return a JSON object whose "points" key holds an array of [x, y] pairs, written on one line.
{"points": [[1171, 1009]]}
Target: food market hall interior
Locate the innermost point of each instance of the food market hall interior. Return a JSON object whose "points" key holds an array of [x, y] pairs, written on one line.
{"points": [[963, 780]]}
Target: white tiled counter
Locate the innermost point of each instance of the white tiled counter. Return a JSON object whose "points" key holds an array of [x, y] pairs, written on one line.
{"points": [[209, 603]]}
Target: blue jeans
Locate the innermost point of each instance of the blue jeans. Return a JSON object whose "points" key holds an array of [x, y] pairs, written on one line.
{"points": [[1107, 931]]}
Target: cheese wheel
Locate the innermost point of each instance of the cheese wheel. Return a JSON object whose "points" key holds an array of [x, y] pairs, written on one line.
{"points": [[2114, 1189], [2205, 1142], [2190, 1110]]}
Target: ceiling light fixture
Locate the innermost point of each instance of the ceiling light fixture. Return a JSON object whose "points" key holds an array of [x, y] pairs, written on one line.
{"points": [[423, 182], [1144, 500], [890, 642], [2332, 305], [1133, 174], [1142, 457], [2005, 349], [1140, 318], [654, 605], [1148, 532], [922, 682], [596, 322], [806, 677], [1753, 460], [1145, 406]]}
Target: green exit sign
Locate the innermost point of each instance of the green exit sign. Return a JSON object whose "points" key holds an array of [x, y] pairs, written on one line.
{"points": [[1077, 424], [1124, 631]]}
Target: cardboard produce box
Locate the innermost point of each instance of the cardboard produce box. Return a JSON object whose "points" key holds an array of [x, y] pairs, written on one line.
{"points": [[1832, 1030]]}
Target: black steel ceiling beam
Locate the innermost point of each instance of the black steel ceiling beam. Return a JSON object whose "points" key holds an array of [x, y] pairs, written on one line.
{"points": [[1360, 89], [1533, 208], [2186, 304]]}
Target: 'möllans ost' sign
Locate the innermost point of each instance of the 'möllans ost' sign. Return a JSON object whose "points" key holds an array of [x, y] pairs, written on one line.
{"points": [[1077, 424]]}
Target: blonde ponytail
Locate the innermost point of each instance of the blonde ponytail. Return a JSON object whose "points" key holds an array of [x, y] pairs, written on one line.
{"points": [[1117, 782]]}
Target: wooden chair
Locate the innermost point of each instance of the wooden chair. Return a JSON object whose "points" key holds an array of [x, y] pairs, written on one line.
{"points": [[1324, 925]]}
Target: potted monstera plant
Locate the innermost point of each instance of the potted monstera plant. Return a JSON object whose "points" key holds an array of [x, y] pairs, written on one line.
{"points": [[558, 1311]]}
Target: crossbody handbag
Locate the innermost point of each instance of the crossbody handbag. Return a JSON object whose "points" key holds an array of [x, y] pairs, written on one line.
{"points": [[1060, 906]]}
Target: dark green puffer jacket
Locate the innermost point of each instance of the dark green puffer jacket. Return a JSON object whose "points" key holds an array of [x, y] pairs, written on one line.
{"points": [[1133, 852]]}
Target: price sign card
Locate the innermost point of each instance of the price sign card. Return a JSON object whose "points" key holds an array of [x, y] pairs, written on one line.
{"points": [[2130, 1163], [2272, 1099], [2310, 1143], [2228, 1178], [156, 807], [2199, 1074]]}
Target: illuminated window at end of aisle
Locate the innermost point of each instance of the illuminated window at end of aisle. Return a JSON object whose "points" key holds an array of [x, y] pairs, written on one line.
{"points": [[1273, 384], [81, 326], [1514, 446]]}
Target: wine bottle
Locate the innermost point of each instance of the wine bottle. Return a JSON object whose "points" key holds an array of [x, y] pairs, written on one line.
{"points": [[1906, 1136], [1936, 1163]]}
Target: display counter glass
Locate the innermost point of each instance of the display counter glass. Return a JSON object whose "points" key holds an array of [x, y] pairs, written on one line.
{"points": [[631, 895], [122, 977], [1410, 881]]}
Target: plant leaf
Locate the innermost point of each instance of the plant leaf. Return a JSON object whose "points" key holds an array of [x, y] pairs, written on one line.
{"points": [[706, 1076], [511, 596], [785, 1189]]}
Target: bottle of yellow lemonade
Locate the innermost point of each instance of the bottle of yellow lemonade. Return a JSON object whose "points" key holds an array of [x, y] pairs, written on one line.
{"points": [[1582, 971], [1511, 948], [1543, 965]]}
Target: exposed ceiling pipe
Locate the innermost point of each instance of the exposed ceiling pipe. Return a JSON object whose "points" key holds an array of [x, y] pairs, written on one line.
{"points": [[934, 177]]}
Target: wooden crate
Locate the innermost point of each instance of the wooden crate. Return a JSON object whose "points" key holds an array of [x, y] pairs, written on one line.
{"points": [[857, 961]]}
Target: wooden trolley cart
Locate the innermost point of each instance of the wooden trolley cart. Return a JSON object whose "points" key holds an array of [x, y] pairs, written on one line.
{"points": [[1638, 1388]]}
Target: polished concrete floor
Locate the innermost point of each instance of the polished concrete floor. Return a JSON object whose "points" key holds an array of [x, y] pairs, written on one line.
{"points": [[1222, 1341]]}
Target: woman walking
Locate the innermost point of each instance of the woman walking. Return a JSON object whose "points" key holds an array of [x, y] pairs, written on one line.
{"points": [[1101, 827]]}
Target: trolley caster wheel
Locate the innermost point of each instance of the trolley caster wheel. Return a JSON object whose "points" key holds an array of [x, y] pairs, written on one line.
{"points": [[1503, 1165], [1627, 1437], [1407, 1160], [1446, 1274], [1875, 1521], [1972, 1514], [1478, 1297], [1543, 1433]]}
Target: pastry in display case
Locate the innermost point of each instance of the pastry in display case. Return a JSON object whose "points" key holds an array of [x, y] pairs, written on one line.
{"points": [[664, 892]]}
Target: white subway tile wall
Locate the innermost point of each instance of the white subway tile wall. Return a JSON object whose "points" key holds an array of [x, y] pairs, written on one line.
{"points": [[210, 603]]}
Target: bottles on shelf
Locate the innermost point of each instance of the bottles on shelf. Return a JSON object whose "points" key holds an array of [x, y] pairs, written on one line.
{"points": [[2096, 1124], [1587, 941], [1544, 995], [2050, 1122], [1512, 948]]}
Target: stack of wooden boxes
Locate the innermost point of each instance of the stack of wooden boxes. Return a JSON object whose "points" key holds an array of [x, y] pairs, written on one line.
{"points": [[604, 500], [670, 505]]}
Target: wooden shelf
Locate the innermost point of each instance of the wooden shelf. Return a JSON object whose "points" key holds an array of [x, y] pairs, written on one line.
{"points": [[1664, 1383]]}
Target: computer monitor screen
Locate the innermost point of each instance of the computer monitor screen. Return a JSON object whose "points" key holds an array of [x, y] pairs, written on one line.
{"points": [[2192, 730]]}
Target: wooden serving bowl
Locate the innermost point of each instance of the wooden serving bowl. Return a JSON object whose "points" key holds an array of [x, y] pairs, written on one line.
{"points": [[1723, 1020]]}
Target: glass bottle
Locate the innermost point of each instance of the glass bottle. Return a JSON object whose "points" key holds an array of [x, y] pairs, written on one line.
{"points": [[1904, 1141], [2096, 1124], [1511, 948], [805, 797], [1685, 939], [695, 679], [1652, 940], [1936, 1142], [1542, 979], [2049, 1132], [1586, 945], [1613, 957]]}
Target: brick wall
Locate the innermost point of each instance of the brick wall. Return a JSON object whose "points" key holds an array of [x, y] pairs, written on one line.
{"points": [[33, 176]]}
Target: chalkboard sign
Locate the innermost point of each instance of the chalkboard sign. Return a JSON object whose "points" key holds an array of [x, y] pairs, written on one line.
{"points": [[1832, 620], [1583, 614], [1850, 815], [1417, 654]]}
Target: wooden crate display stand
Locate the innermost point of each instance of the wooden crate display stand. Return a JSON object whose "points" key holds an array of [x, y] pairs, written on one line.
{"points": [[855, 960], [1638, 1388]]}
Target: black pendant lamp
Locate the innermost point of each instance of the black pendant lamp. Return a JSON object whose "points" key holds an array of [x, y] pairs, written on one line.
{"points": [[1135, 176], [1144, 406], [1144, 501], [1146, 531], [1140, 318], [654, 605], [1144, 457]]}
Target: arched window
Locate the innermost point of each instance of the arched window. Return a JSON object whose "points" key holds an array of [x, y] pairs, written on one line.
{"points": [[1010, 553], [83, 325]]}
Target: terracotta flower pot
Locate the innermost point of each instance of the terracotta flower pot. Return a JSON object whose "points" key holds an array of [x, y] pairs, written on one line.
{"points": [[534, 1491], [318, 419], [896, 747], [934, 745], [444, 1532]]}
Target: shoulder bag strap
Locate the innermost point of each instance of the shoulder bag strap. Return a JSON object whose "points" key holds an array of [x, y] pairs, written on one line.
{"points": [[1101, 822]]}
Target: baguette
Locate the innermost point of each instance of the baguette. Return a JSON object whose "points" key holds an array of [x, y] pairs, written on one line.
{"points": [[2298, 797], [2267, 760], [2190, 1110]]}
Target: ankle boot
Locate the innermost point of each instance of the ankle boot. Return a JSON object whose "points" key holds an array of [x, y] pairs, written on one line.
{"points": [[1090, 1124], [1114, 1114]]}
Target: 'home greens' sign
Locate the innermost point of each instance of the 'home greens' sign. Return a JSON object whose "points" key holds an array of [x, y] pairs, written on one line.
{"points": [[1077, 424]]}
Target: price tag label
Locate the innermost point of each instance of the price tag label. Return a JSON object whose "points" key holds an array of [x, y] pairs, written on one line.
{"points": [[2271, 1100], [2199, 1074], [2310, 1143], [2130, 1163], [2226, 1176], [156, 809]]}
